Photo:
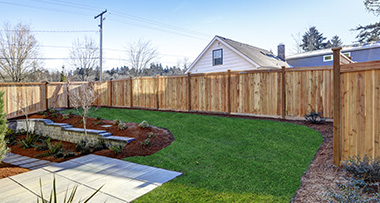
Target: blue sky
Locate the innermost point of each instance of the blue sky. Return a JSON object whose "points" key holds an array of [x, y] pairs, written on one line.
{"points": [[181, 28]]}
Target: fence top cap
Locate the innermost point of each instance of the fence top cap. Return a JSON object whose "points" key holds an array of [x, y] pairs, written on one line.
{"points": [[336, 48]]}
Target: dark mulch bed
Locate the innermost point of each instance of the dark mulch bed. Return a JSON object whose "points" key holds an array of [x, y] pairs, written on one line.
{"points": [[10, 170]]}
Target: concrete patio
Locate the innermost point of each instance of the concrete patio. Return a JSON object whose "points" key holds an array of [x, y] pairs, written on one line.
{"points": [[122, 181]]}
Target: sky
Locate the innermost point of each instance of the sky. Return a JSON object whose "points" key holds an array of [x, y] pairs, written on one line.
{"points": [[179, 28]]}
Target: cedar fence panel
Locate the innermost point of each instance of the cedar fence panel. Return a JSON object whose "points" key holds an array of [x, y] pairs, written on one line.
{"points": [[57, 95], [28, 96], [360, 110], [144, 92], [209, 92], [256, 93], [121, 93], [308, 90], [173, 92]]}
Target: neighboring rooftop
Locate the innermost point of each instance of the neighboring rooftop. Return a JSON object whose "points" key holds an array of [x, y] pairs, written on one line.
{"points": [[262, 57], [345, 48]]}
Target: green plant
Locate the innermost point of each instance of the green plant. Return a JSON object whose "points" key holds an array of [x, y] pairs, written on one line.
{"points": [[116, 148], [97, 122], [67, 199], [146, 142], [82, 147], [144, 124], [315, 118], [68, 155], [364, 172], [40, 112], [117, 122], [100, 145], [46, 114], [98, 118], [122, 126], [10, 137], [54, 115], [350, 193], [29, 141], [51, 110], [53, 149], [3, 129], [65, 116]]}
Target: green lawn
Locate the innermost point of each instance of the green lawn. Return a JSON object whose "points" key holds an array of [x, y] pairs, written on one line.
{"points": [[225, 159]]}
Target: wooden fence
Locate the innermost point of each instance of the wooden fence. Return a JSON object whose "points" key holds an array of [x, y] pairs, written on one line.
{"points": [[350, 94], [357, 109]]}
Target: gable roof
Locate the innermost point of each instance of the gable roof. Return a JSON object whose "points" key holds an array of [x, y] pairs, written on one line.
{"points": [[258, 57], [346, 48]]}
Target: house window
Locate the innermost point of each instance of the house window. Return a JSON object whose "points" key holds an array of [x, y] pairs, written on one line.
{"points": [[217, 57], [327, 58]]}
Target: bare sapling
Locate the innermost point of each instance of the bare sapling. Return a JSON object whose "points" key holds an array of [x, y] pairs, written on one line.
{"points": [[82, 97]]}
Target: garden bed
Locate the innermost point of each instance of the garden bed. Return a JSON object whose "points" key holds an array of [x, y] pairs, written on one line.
{"points": [[160, 137]]}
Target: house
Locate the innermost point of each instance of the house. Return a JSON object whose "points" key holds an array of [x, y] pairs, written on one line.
{"points": [[223, 54], [324, 57]]}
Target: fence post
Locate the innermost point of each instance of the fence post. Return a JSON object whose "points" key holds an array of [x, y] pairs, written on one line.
{"points": [[189, 90], [68, 95], [157, 88], [131, 91], [111, 95], [229, 92], [46, 95], [337, 110], [283, 93]]}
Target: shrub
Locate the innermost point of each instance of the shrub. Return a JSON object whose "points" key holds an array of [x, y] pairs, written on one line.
{"points": [[53, 149], [362, 181], [123, 126], [54, 115], [51, 110], [10, 137], [29, 141], [365, 172], [100, 145], [97, 122], [46, 114], [315, 118], [146, 142], [3, 129], [98, 118], [65, 116], [40, 112], [67, 199], [117, 148], [116, 122], [82, 147], [144, 124]]}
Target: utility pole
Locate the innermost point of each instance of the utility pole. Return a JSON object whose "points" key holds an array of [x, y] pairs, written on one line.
{"points": [[101, 44]]}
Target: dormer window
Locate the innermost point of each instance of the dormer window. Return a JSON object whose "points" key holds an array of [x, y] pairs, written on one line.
{"points": [[217, 57]]}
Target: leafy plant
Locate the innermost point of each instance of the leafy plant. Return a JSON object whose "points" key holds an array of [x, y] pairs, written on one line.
{"points": [[144, 124], [40, 112], [362, 181], [3, 128], [65, 116], [146, 142], [122, 126], [54, 115], [98, 118], [29, 141], [82, 147], [117, 122], [67, 199], [53, 149], [51, 110], [46, 114], [100, 145], [10, 137], [97, 122], [116, 148], [315, 118]]}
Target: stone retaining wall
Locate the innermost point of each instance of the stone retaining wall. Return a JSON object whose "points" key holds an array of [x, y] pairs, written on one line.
{"points": [[66, 132]]}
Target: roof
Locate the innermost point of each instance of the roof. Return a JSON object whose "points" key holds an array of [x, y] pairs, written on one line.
{"points": [[262, 57], [346, 48], [256, 56]]}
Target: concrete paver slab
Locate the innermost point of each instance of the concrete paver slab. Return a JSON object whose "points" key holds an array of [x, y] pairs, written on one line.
{"points": [[35, 164], [123, 181]]}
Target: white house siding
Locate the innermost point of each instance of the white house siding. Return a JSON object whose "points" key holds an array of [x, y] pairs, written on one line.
{"points": [[231, 61]]}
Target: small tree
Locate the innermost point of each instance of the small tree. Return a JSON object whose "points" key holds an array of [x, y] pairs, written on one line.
{"points": [[140, 54], [82, 99], [3, 128]]}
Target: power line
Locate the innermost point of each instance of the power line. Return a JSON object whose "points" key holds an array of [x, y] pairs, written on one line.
{"points": [[63, 31]]}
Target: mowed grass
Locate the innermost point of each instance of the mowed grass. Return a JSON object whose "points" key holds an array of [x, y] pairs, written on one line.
{"points": [[225, 159]]}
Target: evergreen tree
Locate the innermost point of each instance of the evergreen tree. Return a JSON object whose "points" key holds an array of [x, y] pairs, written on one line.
{"points": [[3, 128], [334, 42], [369, 32], [313, 40]]}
